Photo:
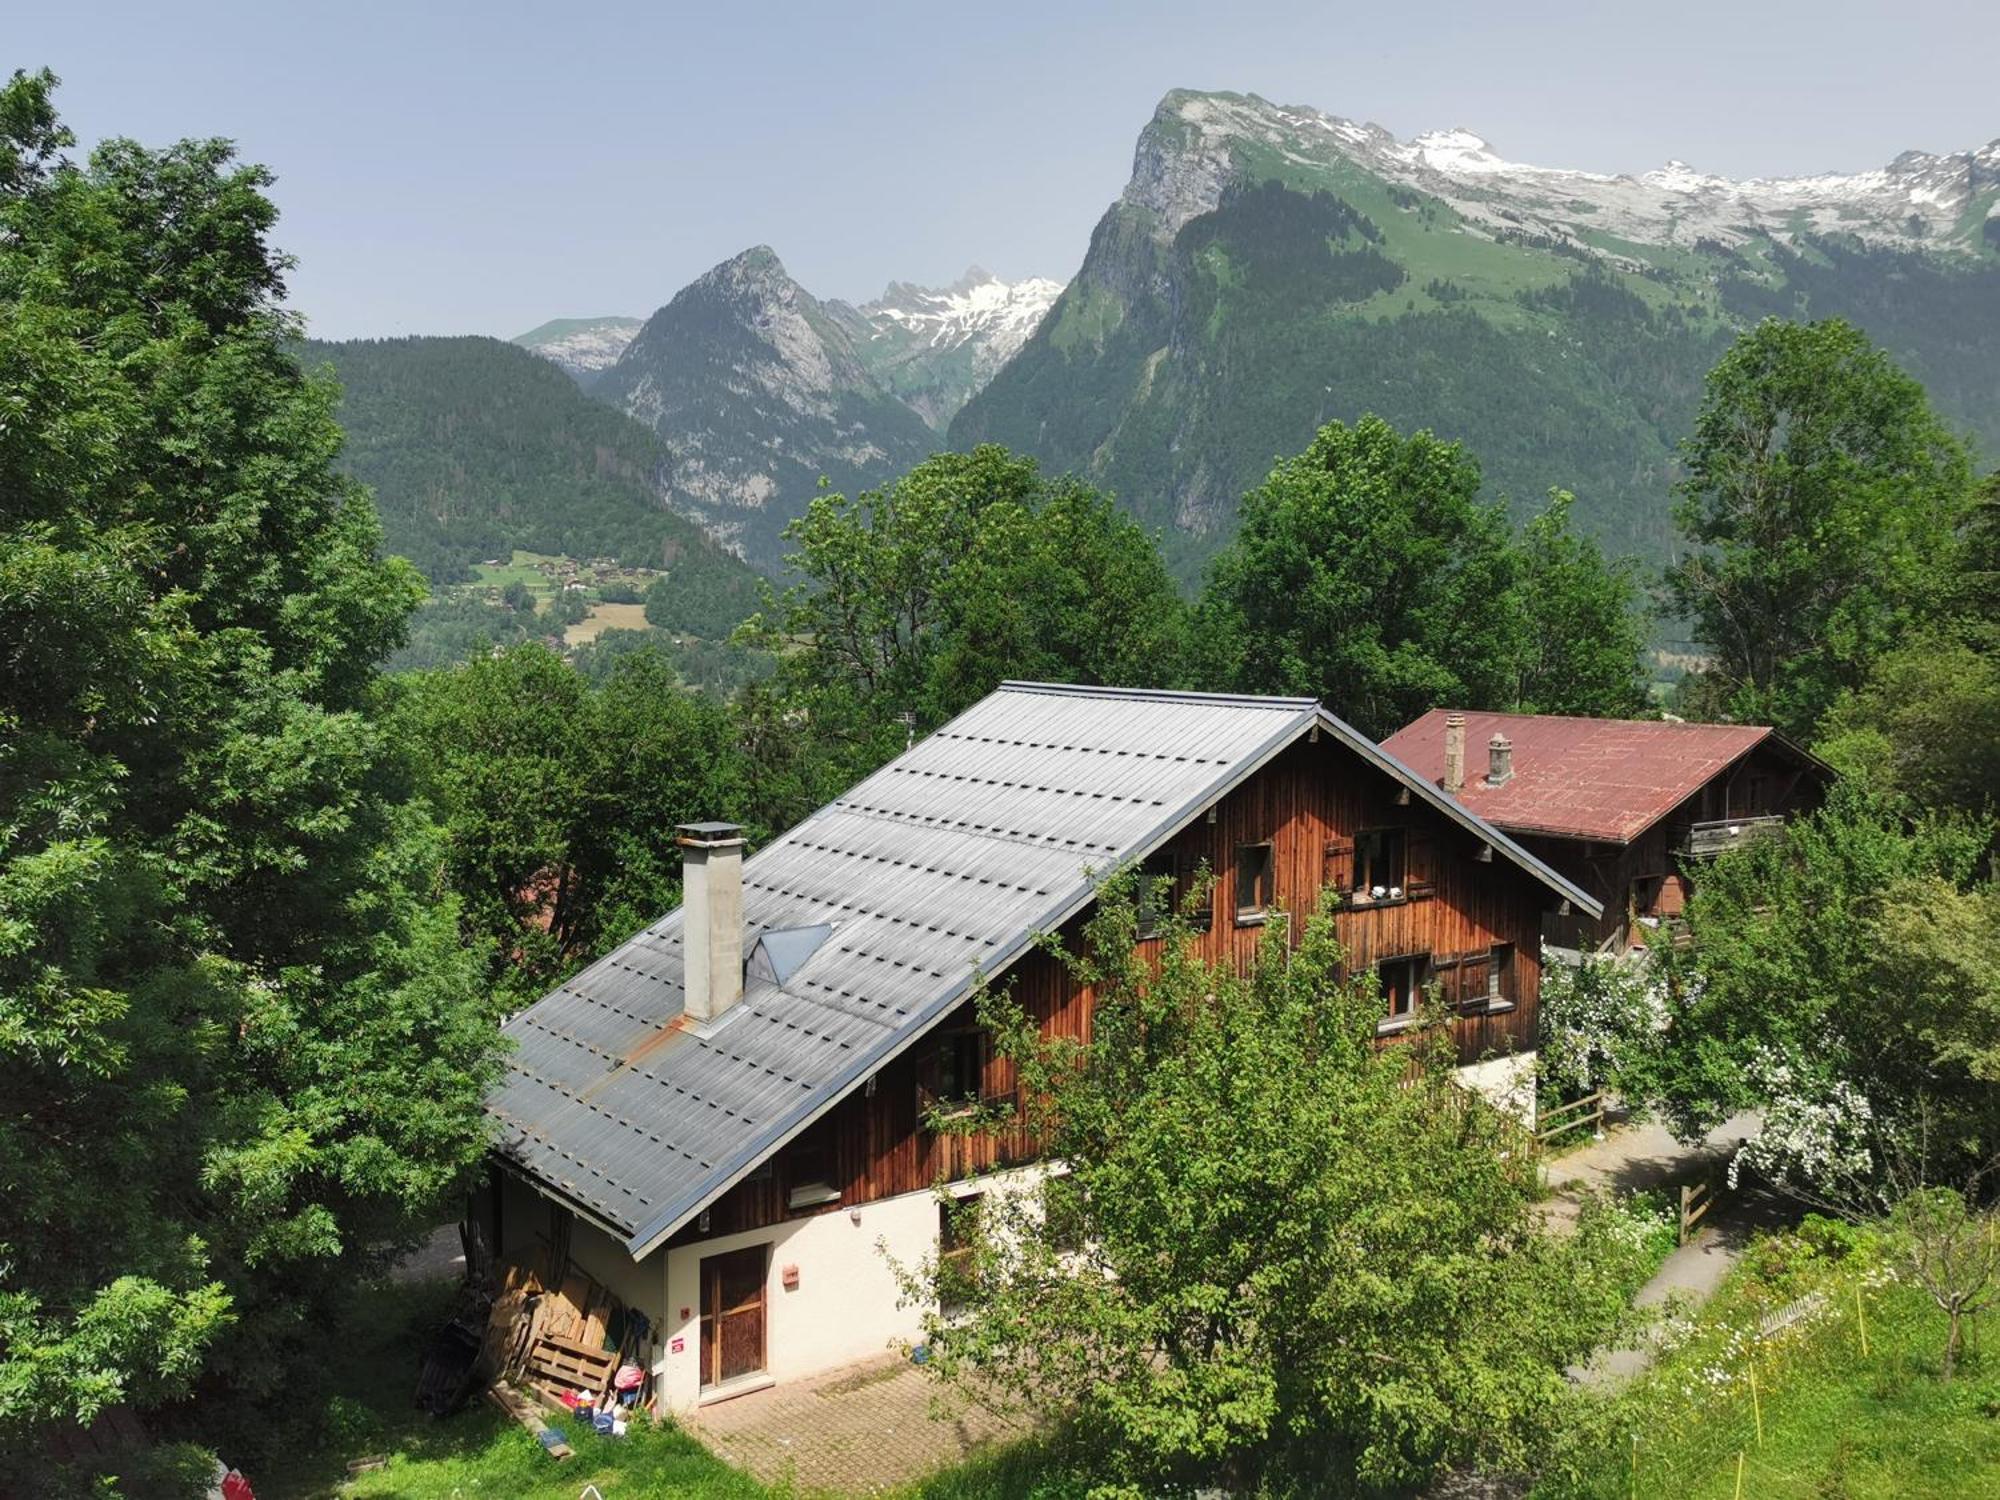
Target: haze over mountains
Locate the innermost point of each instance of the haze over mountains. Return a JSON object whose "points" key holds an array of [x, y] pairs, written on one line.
{"points": [[1270, 268]]}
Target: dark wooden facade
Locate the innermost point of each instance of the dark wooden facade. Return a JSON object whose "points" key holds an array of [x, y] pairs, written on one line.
{"points": [[1469, 917], [1644, 885]]}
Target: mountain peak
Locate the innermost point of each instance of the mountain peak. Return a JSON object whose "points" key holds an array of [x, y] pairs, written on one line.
{"points": [[757, 265]]}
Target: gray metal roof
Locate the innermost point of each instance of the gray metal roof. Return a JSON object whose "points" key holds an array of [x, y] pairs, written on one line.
{"points": [[942, 866]]}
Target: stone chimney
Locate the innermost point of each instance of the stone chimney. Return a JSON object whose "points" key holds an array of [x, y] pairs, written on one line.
{"points": [[711, 916], [1454, 753], [1499, 760]]}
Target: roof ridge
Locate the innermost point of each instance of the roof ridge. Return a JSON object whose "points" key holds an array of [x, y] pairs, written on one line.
{"points": [[1158, 695], [1510, 713]]}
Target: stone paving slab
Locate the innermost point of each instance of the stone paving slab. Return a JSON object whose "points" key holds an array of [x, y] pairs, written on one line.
{"points": [[861, 1430]]}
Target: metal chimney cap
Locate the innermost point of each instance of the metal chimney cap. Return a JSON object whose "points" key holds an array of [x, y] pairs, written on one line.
{"points": [[708, 835]]}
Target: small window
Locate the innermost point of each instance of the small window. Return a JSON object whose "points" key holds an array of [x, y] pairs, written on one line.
{"points": [[809, 1175], [1253, 882], [1500, 978], [1166, 882], [961, 1066], [958, 1248], [1158, 893], [1381, 863], [1402, 982]]}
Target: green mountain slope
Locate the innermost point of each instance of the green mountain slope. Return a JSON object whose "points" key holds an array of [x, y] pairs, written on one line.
{"points": [[1269, 269], [475, 447]]}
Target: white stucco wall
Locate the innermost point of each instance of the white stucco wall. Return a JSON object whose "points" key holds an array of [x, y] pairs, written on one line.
{"points": [[845, 1307], [1507, 1082]]}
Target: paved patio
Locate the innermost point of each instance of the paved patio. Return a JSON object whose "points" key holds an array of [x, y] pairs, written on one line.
{"points": [[861, 1430]]}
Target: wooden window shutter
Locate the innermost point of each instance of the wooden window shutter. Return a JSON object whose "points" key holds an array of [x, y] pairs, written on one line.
{"points": [[1468, 986], [1419, 862], [1338, 868]]}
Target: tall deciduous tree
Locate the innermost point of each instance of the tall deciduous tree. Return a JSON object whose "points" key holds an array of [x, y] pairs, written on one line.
{"points": [[1270, 1236], [1840, 981], [559, 797], [241, 1049], [1580, 627], [920, 598], [1821, 505], [1368, 574]]}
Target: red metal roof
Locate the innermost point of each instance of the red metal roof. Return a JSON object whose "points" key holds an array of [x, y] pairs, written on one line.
{"points": [[1606, 779]]}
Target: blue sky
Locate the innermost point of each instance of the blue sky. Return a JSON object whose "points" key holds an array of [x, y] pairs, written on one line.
{"points": [[479, 168]]}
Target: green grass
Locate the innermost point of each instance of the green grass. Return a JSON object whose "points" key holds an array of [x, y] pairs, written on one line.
{"points": [[521, 568], [1836, 1425]]}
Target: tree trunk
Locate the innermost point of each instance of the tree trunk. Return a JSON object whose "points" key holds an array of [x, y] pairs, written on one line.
{"points": [[1951, 1343]]}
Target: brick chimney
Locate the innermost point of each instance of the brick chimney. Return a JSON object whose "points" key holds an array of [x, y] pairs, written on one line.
{"points": [[1454, 753], [712, 916], [1499, 760]]}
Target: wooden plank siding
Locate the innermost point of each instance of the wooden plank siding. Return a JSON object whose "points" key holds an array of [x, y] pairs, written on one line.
{"points": [[1309, 803]]}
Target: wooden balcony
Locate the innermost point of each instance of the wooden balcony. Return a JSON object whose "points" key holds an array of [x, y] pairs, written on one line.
{"points": [[1705, 840]]}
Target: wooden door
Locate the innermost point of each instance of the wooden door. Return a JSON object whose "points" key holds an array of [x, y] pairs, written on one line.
{"points": [[732, 1315]]}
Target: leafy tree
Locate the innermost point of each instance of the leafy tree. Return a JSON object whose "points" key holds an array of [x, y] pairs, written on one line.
{"points": [[705, 602], [446, 631], [1580, 627], [1273, 1239], [1924, 726], [1840, 981], [920, 598], [241, 1048], [1597, 1026], [1821, 502], [518, 597], [559, 797], [1368, 574], [569, 607]]}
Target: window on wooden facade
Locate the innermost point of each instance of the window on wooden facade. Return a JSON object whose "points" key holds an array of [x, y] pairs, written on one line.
{"points": [[809, 1174], [1254, 865], [1165, 882], [953, 1075], [958, 1246], [1157, 893], [1402, 981], [1381, 864], [1500, 977]]}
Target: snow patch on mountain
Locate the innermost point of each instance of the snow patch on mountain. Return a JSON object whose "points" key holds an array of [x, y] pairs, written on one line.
{"points": [[979, 308], [582, 346], [936, 346]]}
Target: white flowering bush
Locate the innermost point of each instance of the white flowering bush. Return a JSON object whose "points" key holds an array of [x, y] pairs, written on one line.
{"points": [[1819, 1130], [1600, 1023]]}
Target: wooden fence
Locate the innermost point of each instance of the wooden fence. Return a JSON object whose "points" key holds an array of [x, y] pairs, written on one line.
{"points": [[1589, 1110], [1696, 1200]]}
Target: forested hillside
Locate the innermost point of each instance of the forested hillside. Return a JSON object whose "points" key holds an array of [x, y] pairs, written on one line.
{"points": [[1269, 270], [475, 447]]}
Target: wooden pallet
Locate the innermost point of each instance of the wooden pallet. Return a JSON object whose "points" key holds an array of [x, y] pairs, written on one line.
{"points": [[556, 1365]]}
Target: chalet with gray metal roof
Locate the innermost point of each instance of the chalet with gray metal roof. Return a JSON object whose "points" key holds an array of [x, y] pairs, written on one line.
{"points": [[722, 1119]]}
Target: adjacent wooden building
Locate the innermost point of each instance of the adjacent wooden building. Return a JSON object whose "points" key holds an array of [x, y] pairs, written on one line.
{"points": [[1626, 808]]}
